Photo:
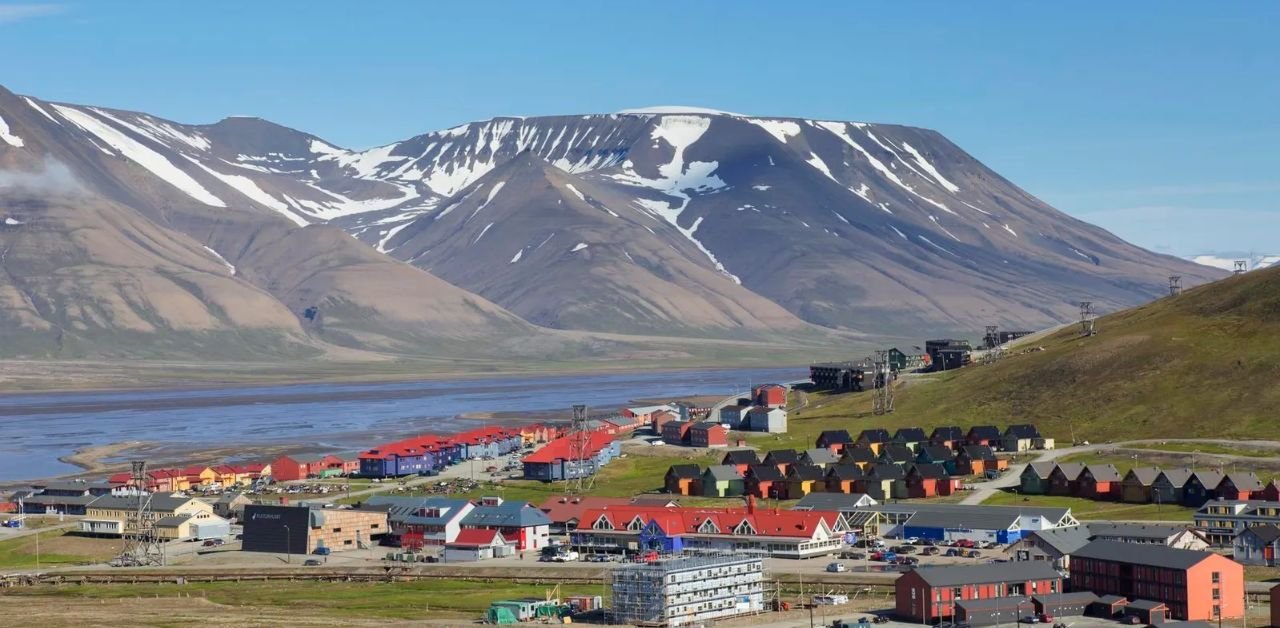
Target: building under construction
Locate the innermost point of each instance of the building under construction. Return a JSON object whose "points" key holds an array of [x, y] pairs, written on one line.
{"points": [[687, 590], [838, 375]]}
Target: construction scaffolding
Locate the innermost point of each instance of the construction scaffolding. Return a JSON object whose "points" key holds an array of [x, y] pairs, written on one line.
{"points": [[687, 590], [141, 547]]}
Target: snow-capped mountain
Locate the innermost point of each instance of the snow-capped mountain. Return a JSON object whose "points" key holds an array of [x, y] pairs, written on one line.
{"points": [[1223, 261], [657, 221]]}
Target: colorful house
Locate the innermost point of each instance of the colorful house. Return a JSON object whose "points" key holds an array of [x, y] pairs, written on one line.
{"points": [[859, 456], [843, 478], [722, 481], [1065, 479], [764, 481], [1034, 479], [741, 459], [683, 479], [708, 435], [875, 438], [803, 479], [1099, 482], [951, 437], [835, 440], [1137, 485]]}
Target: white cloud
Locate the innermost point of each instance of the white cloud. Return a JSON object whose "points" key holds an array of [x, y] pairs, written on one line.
{"points": [[17, 12], [1183, 230]]}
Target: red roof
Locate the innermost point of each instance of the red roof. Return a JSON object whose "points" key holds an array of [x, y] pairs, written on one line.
{"points": [[476, 537], [563, 448], [784, 523], [564, 508]]}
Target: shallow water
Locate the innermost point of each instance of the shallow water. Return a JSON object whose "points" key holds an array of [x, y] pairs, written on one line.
{"points": [[37, 429]]}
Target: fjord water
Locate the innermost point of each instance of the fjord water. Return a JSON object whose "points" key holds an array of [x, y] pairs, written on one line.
{"points": [[40, 428]]}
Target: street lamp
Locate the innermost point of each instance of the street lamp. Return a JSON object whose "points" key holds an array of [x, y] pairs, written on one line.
{"points": [[288, 545]]}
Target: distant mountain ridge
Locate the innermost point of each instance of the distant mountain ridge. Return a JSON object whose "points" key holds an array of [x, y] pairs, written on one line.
{"points": [[1227, 261], [668, 222]]}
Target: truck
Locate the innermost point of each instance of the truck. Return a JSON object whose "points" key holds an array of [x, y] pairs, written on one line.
{"points": [[565, 557]]}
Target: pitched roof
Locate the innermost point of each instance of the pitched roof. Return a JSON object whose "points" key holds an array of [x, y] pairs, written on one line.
{"points": [[833, 502], [874, 435], [784, 523], [910, 435], [565, 448], [928, 470], [159, 503], [782, 455], [858, 454], [506, 514], [1244, 481], [1142, 554], [835, 436], [172, 521], [990, 573], [897, 453], [1267, 533], [1177, 478], [950, 432], [1134, 530], [1070, 470], [1144, 476], [984, 432], [562, 509], [820, 455], [1145, 605], [1064, 540], [805, 472], [741, 456], [765, 473], [723, 472], [845, 472], [707, 426], [1208, 479], [1075, 598], [979, 452], [938, 452], [1103, 472], [976, 520], [477, 537], [685, 471], [1041, 469], [406, 509], [886, 472], [1022, 430]]}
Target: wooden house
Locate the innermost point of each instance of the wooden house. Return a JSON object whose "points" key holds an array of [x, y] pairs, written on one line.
{"points": [[1065, 478], [835, 440], [1034, 479], [764, 481], [951, 437], [1099, 482], [875, 438], [1238, 486], [895, 453], [912, 437], [1169, 486], [938, 454], [924, 478], [783, 459], [803, 479], [819, 457], [1200, 488], [722, 481], [862, 457], [988, 435], [976, 460], [843, 478], [1137, 485], [683, 479], [741, 459]]}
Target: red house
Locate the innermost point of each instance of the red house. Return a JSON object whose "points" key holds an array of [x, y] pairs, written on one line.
{"points": [[708, 435], [286, 469], [930, 595], [1064, 480], [1098, 481], [676, 432], [1238, 486], [764, 481], [1270, 493], [771, 395], [924, 478]]}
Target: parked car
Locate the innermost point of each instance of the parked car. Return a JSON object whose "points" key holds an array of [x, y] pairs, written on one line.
{"points": [[310, 562], [953, 552], [906, 549], [322, 551], [565, 557], [836, 568], [213, 542], [932, 551], [852, 555], [974, 554], [1045, 618], [907, 560]]}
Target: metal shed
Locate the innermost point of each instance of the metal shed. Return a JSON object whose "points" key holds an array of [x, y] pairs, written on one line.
{"points": [[215, 528], [1108, 606], [1064, 604]]}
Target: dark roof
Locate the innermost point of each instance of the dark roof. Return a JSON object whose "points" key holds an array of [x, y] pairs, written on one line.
{"points": [[929, 470], [685, 471], [1176, 477], [829, 501], [782, 455], [1145, 605], [1064, 540], [1244, 481], [974, 520], [858, 454], [1144, 475], [876, 435], [845, 472], [765, 473], [172, 521], [979, 452], [1113, 599], [1074, 598], [950, 432], [741, 456], [1071, 470], [910, 435], [159, 503], [1022, 430], [1141, 554], [937, 452], [984, 431], [805, 472], [897, 453], [819, 456], [835, 436], [1208, 479], [1134, 530], [1103, 472], [990, 573], [886, 472], [1041, 469], [722, 472], [1266, 533]]}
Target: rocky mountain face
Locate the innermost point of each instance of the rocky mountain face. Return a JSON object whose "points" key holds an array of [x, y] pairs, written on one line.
{"points": [[118, 225]]}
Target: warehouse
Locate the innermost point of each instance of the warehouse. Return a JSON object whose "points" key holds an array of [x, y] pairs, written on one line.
{"points": [[304, 529], [687, 590], [110, 515], [948, 522]]}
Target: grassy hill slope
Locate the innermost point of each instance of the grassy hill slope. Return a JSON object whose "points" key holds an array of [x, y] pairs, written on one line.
{"points": [[1203, 364]]}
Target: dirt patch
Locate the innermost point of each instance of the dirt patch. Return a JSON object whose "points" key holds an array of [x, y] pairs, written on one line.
{"points": [[175, 610]]}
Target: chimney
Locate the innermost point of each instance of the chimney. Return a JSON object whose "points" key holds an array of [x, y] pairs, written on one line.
{"points": [[751, 504]]}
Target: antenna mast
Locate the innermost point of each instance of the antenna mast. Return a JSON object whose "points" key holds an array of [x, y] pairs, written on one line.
{"points": [[1242, 266], [1175, 285], [141, 547], [579, 439], [882, 399]]}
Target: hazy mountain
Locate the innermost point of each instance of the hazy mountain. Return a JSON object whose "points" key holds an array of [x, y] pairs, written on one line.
{"points": [[1227, 261]]}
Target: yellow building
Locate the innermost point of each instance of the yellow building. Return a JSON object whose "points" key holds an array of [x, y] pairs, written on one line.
{"points": [[114, 515], [200, 476]]}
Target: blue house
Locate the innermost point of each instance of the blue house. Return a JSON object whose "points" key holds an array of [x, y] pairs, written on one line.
{"points": [[653, 537]]}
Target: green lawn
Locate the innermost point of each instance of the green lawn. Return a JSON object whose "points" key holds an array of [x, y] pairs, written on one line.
{"points": [[55, 548], [1084, 509], [400, 600], [1210, 448]]}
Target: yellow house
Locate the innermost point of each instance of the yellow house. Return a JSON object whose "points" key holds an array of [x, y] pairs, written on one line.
{"points": [[200, 476], [117, 515], [226, 474]]}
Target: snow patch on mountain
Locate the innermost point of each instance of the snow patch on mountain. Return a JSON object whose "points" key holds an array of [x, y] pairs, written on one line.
{"points": [[780, 129], [761, 188], [679, 109], [230, 268], [928, 167], [578, 247], [35, 105], [247, 187], [575, 192], [8, 137], [482, 232], [840, 130], [139, 154], [515, 258]]}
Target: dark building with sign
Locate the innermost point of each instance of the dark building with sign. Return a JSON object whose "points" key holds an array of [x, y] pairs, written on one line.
{"points": [[304, 530]]}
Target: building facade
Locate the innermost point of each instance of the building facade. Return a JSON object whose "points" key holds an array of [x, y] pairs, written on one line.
{"points": [[931, 594], [1195, 586], [686, 591]]}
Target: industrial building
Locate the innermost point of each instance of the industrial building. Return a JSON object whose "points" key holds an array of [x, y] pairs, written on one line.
{"points": [[112, 515], [953, 522], [979, 594], [304, 529], [687, 590], [1193, 585]]}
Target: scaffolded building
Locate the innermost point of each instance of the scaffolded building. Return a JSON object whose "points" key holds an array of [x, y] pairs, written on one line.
{"points": [[686, 590]]}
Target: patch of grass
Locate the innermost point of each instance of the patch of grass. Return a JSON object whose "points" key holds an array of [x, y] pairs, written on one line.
{"points": [[1255, 573], [399, 600], [1086, 509], [1209, 448], [56, 548]]}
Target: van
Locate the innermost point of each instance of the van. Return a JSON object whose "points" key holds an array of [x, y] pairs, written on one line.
{"points": [[830, 599]]}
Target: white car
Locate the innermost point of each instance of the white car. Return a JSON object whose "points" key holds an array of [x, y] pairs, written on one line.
{"points": [[837, 568], [911, 540], [566, 557]]}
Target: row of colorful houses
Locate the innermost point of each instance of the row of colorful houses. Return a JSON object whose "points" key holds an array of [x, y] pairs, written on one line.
{"points": [[430, 453], [1142, 484], [1014, 438], [197, 477]]}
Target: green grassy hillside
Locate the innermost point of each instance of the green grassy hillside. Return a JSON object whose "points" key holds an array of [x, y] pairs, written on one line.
{"points": [[1203, 364]]}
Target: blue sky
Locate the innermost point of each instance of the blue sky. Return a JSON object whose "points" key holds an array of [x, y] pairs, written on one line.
{"points": [[1157, 120]]}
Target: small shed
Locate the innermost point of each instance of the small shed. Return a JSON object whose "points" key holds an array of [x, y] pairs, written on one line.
{"points": [[992, 611], [1148, 612], [1064, 604], [476, 544], [1107, 606], [210, 528]]}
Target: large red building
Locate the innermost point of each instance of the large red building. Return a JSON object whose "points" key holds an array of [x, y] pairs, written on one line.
{"points": [[771, 395], [929, 594], [1196, 586]]}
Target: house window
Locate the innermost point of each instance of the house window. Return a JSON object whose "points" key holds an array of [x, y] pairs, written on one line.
{"points": [[1217, 610], [1053, 586], [337, 530], [1217, 577], [1217, 594], [347, 542]]}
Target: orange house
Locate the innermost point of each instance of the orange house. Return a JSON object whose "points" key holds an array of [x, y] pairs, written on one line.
{"points": [[1196, 586], [286, 469]]}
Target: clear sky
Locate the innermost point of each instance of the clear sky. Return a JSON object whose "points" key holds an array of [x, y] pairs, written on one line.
{"points": [[1158, 120]]}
